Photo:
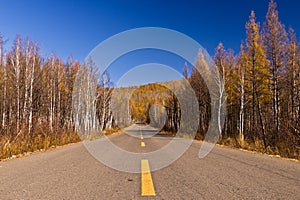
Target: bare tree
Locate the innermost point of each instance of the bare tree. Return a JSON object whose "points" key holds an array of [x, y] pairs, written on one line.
{"points": [[15, 61]]}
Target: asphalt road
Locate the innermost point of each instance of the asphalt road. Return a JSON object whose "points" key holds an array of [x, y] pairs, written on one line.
{"points": [[72, 173]]}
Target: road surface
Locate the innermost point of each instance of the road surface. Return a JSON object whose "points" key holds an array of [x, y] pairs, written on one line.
{"points": [[72, 173]]}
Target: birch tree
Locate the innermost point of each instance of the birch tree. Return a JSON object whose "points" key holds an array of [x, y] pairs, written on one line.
{"points": [[3, 80], [15, 57], [240, 73]]}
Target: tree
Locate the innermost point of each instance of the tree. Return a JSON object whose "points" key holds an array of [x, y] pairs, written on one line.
{"points": [[213, 79], [225, 62], [240, 89], [15, 59], [104, 101], [199, 86], [275, 41], [3, 84], [71, 70], [185, 71], [85, 100], [32, 62], [293, 84], [257, 74]]}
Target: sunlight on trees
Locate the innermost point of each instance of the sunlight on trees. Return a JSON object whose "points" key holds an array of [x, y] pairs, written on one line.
{"points": [[261, 83]]}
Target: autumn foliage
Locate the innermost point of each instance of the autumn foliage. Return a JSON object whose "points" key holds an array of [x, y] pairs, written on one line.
{"points": [[261, 83]]}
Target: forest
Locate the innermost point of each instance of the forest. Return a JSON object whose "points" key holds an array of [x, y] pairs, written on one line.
{"points": [[262, 85]]}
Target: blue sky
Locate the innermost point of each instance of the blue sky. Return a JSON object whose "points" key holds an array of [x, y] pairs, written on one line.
{"points": [[76, 27]]}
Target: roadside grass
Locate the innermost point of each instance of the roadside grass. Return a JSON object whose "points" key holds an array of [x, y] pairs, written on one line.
{"points": [[111, 131], [23, 144], [282, 149], [98, 135]]}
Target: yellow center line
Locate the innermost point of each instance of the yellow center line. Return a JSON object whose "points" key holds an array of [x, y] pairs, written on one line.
{"points": [[143, 144], [147, 183], [141, 134]]}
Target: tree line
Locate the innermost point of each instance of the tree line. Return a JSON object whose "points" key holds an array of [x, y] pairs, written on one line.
{"points": [[260, 88], [262, 85], [36, 99]]}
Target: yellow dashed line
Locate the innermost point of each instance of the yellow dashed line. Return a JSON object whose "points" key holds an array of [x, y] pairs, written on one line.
{"points": [[147, 183]]}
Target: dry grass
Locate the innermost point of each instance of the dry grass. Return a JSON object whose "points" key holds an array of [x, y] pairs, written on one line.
{"points": [[24, 143], [281, 149], [111, 131], [40, 141]]}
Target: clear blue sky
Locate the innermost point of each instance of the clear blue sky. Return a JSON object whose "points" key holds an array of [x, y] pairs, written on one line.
{"points": [[76, 27]]}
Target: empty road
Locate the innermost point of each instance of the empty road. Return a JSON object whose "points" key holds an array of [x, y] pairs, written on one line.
{"points": [[72, 173]]}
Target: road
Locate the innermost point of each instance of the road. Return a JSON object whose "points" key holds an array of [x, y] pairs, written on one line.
{"points": [[72, 173]]}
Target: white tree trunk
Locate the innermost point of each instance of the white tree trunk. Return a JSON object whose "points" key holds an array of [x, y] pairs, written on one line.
{"points": [[31, 93], [241, 114]]}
